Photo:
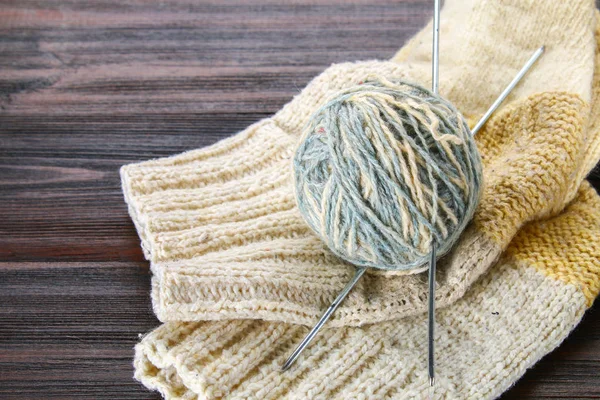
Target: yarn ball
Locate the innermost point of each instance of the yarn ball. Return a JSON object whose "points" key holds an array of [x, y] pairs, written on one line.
{"points": [[384, 170]]}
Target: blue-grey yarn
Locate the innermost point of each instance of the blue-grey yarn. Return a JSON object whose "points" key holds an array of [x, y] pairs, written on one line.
{"points": [[385, 169]]}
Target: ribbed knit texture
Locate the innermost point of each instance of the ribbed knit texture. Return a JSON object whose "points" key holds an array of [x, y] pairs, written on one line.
{"points": [[226, 241]]}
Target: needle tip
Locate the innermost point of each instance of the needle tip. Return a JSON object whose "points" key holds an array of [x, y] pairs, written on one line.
{"points": [[543, 48], [287, 364], [431, 387]]}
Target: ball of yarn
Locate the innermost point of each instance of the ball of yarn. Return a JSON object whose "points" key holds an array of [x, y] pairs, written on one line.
{"points": [[384, 170]]}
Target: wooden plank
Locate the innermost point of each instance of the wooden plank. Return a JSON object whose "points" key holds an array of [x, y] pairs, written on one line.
{"points": [[68, 329], [86, 87]]}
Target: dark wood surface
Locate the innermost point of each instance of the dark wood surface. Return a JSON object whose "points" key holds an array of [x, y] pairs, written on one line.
{"points": [[86, 86]]}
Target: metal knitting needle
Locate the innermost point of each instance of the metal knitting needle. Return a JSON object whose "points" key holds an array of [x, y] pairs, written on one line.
{"points": [[435, 59], [482, 121], [508, 89], [431, 321], [360, 271], [435, 80]]}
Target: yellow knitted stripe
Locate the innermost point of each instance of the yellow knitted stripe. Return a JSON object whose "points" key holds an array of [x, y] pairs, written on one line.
{"points": [[536, 154], [531, 152], [567, 247]]}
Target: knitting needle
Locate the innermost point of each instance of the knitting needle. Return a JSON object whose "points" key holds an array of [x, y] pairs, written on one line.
{"points": [[508, 89], [435, 81], [431, 320], [482, 121], [313, 332], [360, 271], [435, 59]]}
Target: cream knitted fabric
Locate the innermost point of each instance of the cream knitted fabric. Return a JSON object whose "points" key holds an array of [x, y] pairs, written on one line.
{"points": [[221, 227], [226, 242], [515, 314]]}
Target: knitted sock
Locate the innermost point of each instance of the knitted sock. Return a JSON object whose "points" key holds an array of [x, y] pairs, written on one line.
{"points": [[221, 227], [521, 309]]}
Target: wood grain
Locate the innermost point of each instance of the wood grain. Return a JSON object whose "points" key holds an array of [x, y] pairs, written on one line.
{"points": [[86, 87]]}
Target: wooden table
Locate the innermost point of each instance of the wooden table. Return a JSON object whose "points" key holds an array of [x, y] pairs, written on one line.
{"points": [[88, 86]]}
